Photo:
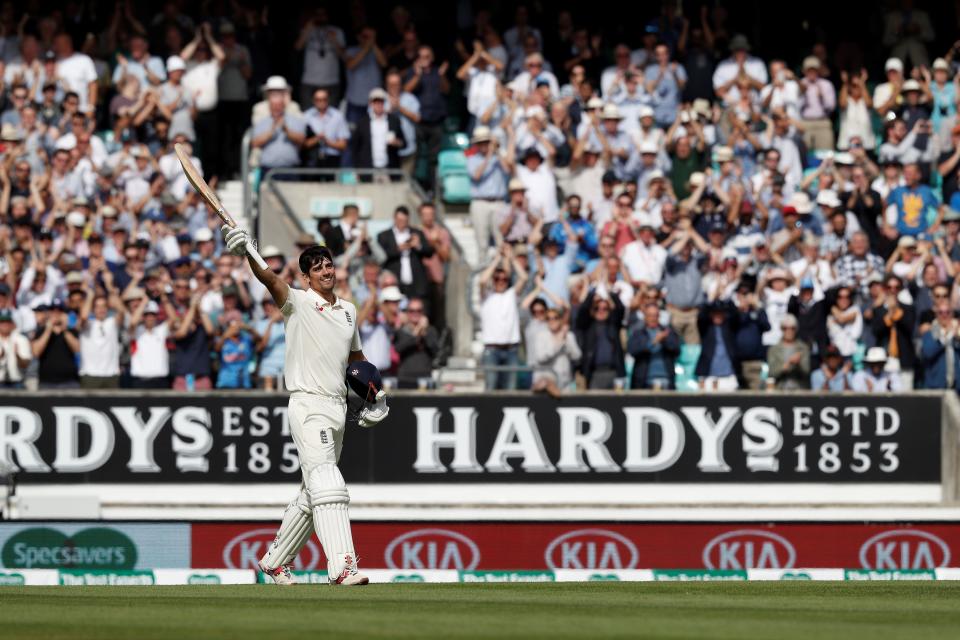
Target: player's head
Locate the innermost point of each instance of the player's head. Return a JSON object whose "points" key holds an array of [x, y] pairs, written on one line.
{"points": [[316, 264]]}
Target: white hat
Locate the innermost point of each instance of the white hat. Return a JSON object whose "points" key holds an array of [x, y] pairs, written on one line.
{"points": [[649, 146], [74, 277], [535, 111], [811, 62], [893, 64], [828, 198], [151, 307], [801, 202], [594, 103], [723, 154], [910, 85], [875, 355], [906, 241], [701, 106], [65, 143], [777, 274], [696, 179], [482, 134], [940, 65], [516, 184], [645, 111], [175, 63], [204, 235], [729, 253], [656, 174], [108, 211], [391, 294], [377, 94], [76, 219], [611, 112], [276, 83], [271, 251]]}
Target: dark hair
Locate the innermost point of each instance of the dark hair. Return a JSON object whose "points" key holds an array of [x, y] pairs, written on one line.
{"points": [[401, 209], [426, 204], [538, 302], [313, 256], [350, 206]]}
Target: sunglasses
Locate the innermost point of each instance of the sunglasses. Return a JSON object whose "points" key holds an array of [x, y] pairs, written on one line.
{"points": [[941, 296], [501, 279], [600, 308]]}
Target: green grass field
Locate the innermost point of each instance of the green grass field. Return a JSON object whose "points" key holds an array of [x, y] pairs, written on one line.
{"points": [[802, 610]]}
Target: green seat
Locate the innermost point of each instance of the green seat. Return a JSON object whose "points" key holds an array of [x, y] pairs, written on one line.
{"points": [[689, 354], [348, 177], [451, 161], [857, 357], [456, 188]]}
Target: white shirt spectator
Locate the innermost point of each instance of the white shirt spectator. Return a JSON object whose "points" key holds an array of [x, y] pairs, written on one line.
{"points": [[729, 69], [150, 358], [643, 263], [321, 65], [775, 304], [481, 90], [100, 348], [846, 336], [786, 97], [76, 72], [541, 188], [500, 318], [379, 131], [14, 346], [525, 83], [177, 182], [201, 80]]}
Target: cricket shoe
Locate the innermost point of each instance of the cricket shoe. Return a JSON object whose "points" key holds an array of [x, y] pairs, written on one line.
{"points": [[350, 576], [281, 575]]}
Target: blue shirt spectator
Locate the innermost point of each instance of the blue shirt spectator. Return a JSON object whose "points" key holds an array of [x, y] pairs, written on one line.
{"points": [[665, 81], [329, 123], [279, 149], [912, 203]]}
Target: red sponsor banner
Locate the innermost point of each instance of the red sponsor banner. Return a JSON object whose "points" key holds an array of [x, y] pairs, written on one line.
{"points": [[535, 546]]}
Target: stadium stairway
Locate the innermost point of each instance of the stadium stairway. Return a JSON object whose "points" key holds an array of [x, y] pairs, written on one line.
{"points": [[231, 196], [462, 231]]}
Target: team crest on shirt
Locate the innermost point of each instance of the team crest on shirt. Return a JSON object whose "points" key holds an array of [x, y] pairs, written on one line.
{"points": [[318, 307]]}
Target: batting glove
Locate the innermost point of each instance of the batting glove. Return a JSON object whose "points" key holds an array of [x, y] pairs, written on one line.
{"points": [[236, 239], [375, 414]]}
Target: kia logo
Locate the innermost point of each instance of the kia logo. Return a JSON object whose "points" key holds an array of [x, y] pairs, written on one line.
{"points": [[749, 549], [245, 551], [591, 549], [904, 549], [432, 549]]}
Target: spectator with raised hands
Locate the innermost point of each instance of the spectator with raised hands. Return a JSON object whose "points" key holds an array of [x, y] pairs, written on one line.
{"points": [[500, 318], [99, 333], [149, 357], [598, 323], [552, 352]]}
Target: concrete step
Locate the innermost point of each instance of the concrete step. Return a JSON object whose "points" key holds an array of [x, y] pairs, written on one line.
{"points": [[461, 229], [231, 196]]}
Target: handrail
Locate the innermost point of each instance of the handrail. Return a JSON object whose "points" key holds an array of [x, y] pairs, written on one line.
{"points": [[247, 190]]}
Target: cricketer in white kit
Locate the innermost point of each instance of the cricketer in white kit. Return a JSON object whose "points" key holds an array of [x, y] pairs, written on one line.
{"points": [[321, 338]]}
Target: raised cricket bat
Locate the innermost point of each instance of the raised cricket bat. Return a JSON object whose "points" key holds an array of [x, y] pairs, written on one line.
{"points": [[211, 199]]}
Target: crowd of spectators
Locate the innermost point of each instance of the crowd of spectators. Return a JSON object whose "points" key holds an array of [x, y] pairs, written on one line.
{"points": [[789, 223]]}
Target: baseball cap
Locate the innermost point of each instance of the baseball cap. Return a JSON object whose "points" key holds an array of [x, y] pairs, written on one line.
{"points": [[175, 63], [811, 62], [645, 111], [806, 283], [74, 277], [893, 64], [203, 235], [5, 315], [377, 94], [940, 65], [649, 146], [609, 177], [231, 290], [151, 307], [788, 320]]}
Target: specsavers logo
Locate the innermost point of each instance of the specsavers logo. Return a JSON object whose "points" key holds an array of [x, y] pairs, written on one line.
{"points": [[48, 548]]}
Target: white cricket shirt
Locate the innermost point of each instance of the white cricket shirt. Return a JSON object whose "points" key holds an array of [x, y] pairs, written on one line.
{"points": [[319, 339]]}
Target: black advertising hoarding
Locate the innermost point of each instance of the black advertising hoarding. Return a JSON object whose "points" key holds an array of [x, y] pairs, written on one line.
{"points": [[475, 438]]}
